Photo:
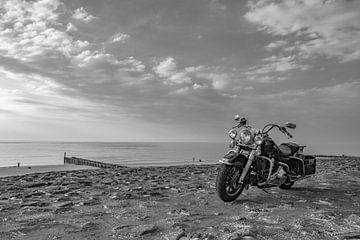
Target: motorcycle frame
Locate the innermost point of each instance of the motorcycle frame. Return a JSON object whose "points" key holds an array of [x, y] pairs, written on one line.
{"points": [[237, 161]]}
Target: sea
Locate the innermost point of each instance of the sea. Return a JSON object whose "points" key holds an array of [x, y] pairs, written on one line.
{"points": [[29, 153]]}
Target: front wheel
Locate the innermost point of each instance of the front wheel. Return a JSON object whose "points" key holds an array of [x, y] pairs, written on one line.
{"points": [[227, 182]]}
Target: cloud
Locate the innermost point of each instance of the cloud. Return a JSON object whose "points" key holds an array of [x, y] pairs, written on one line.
{"points": [[196, 86], [34, 95], [133, 64], [274, 65], [182, 91], [71, 27], [166, 67], [316, 100], [217, 6], [89, 58], [36, 32], [200, 77], [98, 60], [161, 90], [321, 28], [119, 37], [22, 11], [218, 80], [82, 15], [316, 109], [275, 45]]}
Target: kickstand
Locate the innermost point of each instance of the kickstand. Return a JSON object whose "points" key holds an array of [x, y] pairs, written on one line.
{"points": [[265, 191]]}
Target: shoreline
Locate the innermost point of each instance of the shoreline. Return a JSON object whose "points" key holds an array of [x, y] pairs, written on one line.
{"points": [[9, 171]]}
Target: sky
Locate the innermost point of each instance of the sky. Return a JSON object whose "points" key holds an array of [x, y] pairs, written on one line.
{"points": [[169, 70]]}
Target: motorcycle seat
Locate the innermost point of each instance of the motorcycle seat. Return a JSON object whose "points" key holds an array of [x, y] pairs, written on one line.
{"points": [[288, 149]]}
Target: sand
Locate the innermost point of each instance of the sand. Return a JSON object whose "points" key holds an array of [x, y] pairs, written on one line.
{"points": [[177, 203], [17, 171]]}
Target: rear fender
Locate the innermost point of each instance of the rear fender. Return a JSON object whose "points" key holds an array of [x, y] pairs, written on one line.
{"points": [[233, 158]]}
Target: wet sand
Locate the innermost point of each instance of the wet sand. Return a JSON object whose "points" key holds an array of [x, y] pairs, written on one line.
{"points": [[178, 203]]}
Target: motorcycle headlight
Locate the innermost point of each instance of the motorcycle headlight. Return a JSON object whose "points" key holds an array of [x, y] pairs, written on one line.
{"points": [[232, 133], [246, 136]]}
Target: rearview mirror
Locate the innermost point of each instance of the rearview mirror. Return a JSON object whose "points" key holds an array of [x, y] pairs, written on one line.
{"points": [[237, 117], [290, 125]]}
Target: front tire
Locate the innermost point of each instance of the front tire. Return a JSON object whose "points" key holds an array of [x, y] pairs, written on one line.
{"points": [[227, 183]]}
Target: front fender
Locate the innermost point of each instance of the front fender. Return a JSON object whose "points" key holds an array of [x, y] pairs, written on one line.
{"points": [[233, 158]]}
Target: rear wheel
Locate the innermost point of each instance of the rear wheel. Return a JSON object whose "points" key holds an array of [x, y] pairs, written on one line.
{"points": [[227, 182], [287, 184]]}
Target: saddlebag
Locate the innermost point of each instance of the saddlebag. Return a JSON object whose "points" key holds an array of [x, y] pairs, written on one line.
{"points": [[304, 165], [310, 164], [296, 165]]}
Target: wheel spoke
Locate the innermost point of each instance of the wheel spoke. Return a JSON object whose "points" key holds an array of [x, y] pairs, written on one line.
{"points": [[232, 182]]}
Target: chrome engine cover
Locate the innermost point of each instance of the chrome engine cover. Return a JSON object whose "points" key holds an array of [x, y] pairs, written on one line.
{"points": [[279, 177]]}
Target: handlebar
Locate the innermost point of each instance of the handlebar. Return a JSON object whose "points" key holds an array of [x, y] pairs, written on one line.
{"points": [[281, 129], [289, 134]]}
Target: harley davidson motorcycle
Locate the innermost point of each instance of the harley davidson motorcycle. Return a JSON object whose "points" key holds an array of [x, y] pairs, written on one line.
{"points": [[256, 160]]}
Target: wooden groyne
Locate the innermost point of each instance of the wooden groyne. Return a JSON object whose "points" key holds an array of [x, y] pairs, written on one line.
{"points": [[87, 162]]}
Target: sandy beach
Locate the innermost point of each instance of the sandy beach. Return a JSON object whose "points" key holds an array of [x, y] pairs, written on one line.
{"points": [[177, 203], [23, 170]]}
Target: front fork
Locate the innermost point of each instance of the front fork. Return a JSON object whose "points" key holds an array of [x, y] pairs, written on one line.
{"points": [[247, 166]]}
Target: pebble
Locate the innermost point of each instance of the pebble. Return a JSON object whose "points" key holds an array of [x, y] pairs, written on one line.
{"points": [[353, 219], [65, 204], [235, 236], [248, 238], [178, 235], [88, 226], [36, 184], [120, 228], [35, 204], [145, 229]]}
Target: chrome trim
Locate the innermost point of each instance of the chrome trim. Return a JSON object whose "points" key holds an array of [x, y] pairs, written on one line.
{"points": [[285, 166], [270, 170], [247, 166], [226, 162]]}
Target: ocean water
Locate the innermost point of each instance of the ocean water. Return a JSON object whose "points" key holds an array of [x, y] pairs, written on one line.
{"points": [[123, 153], [134, 153]]}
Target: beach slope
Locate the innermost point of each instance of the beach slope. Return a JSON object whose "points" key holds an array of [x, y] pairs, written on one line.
{"points": [[178, 202]]}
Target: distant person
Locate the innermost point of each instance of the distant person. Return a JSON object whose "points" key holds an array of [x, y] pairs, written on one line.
{"points": [[18, 164]]}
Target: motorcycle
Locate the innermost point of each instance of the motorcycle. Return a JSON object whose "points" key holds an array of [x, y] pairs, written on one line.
{"points": [[256, 160]]}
